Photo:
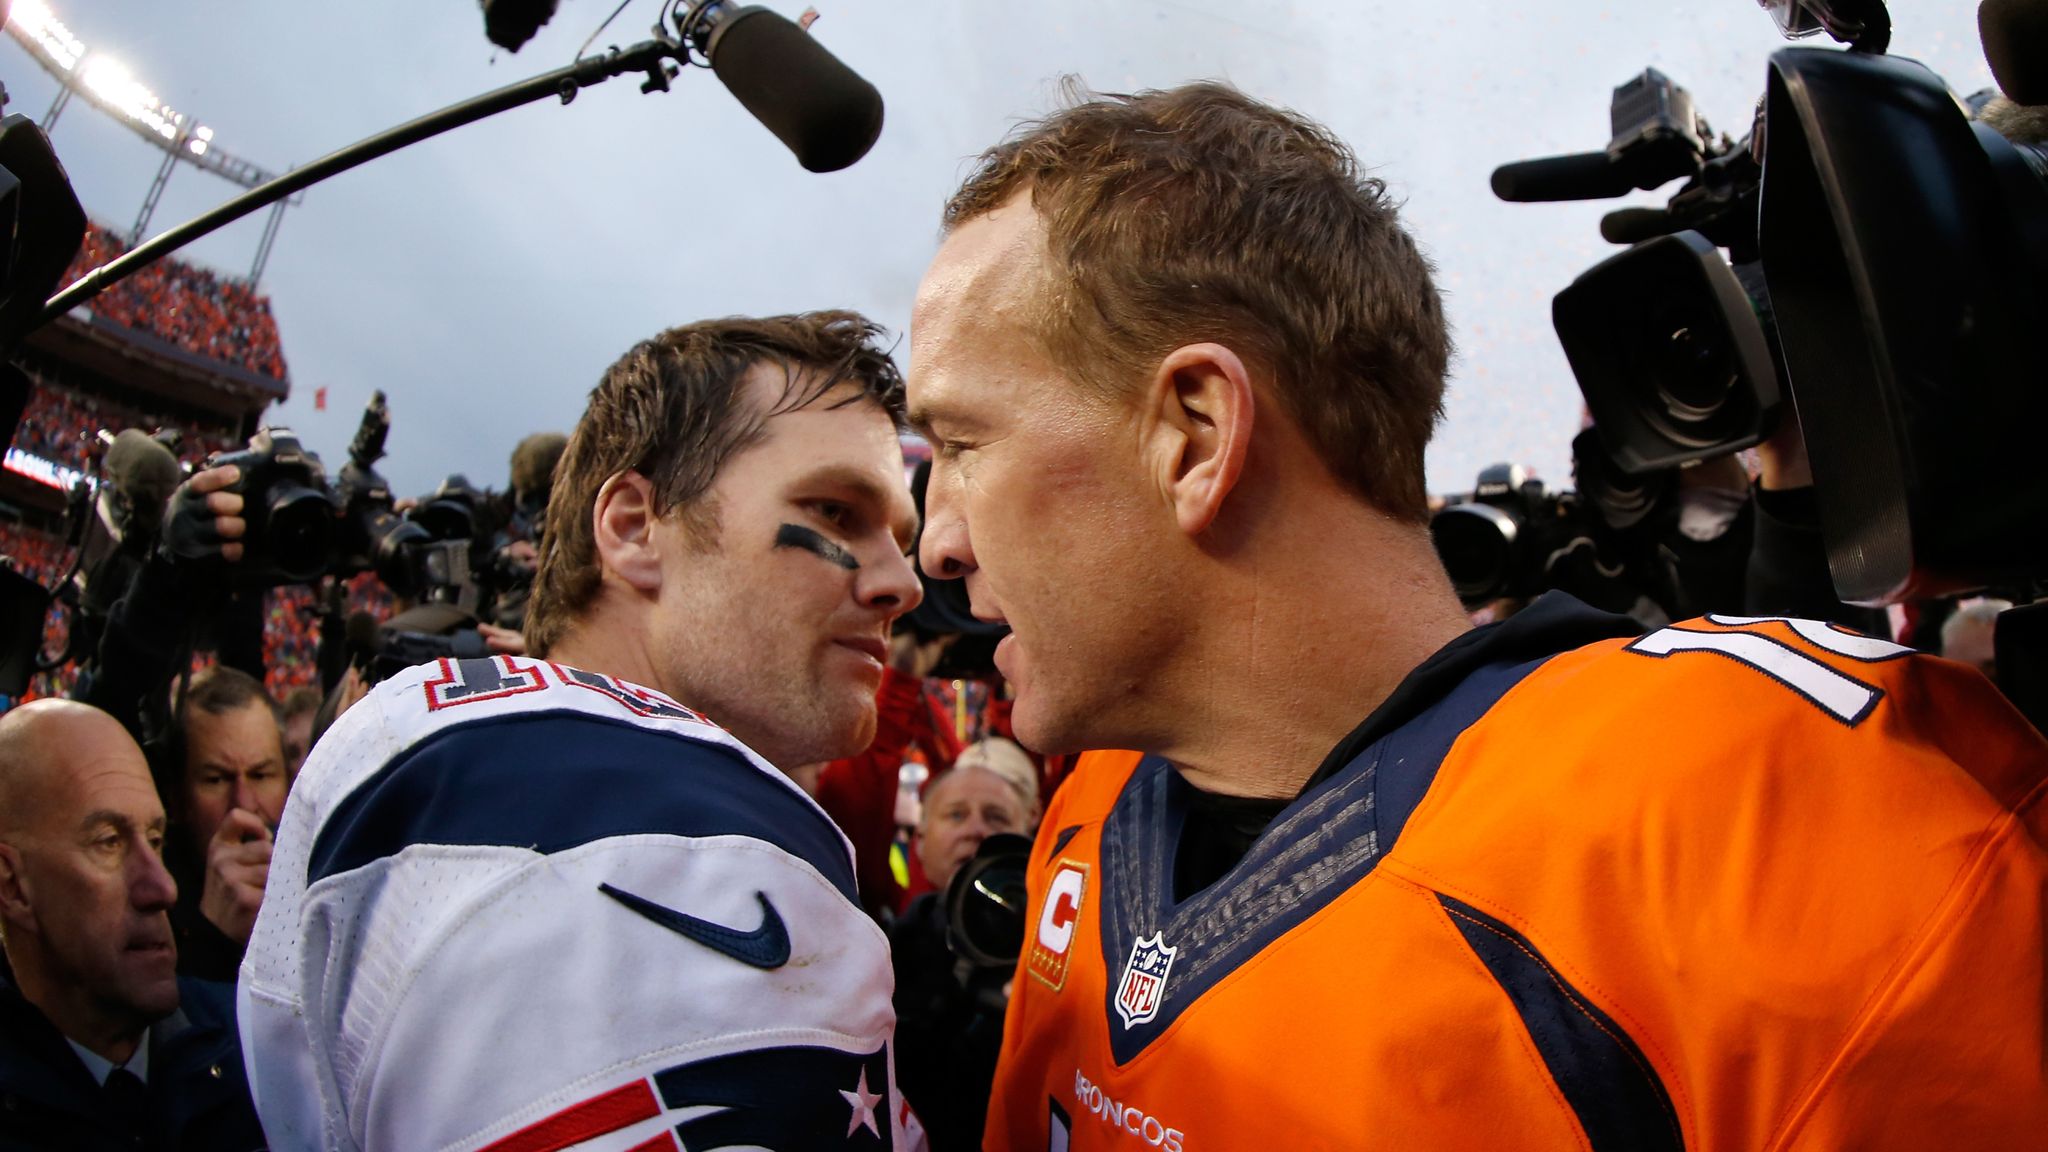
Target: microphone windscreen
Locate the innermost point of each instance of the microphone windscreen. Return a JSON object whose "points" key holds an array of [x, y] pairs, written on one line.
{"points": [[1635, 225], [818, 107], [145, 474], [360, 633], [2015, 36], [1581, 176]]}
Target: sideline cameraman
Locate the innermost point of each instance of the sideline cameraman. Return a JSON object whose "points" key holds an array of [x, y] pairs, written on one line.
{"points": [[537, 883], [151, 628], [949, 1014]]}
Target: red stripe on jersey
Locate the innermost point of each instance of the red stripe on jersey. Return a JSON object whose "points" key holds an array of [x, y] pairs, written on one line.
{"points": [[596, 1116]]}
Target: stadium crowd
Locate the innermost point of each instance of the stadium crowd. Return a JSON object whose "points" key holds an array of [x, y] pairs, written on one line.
{"points": [[60, 424], [195, 308]]}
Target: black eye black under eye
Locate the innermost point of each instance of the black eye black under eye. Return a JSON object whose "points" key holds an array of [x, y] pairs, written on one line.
{"points": [[812, 541]]}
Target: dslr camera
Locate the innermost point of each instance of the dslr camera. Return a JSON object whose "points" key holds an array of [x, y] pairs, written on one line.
{"points": [[287, 506]]}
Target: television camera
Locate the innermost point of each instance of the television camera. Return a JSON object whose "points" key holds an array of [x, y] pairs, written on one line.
{"points": [[1883, 277]]}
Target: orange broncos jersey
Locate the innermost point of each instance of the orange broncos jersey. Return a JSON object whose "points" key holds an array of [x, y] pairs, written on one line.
{"points": [[1735, 884]]}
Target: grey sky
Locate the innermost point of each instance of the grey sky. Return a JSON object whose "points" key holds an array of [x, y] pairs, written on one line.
{"points": [[485, 279]]}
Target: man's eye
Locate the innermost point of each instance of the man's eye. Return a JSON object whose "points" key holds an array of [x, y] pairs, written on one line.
{"points": [[950, 449], [834, 512]]}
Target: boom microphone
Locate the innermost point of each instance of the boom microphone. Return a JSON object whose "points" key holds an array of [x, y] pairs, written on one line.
{"points": [[1580, 176], [2015, 36], [818, 107]]}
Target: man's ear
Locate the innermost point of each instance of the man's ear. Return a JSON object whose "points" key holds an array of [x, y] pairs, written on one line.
{"points": [[1202, 398], [16, 909], [623, 521]]}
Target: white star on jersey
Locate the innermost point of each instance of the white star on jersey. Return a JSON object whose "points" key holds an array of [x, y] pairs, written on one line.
{"points": [[863, 1103]]}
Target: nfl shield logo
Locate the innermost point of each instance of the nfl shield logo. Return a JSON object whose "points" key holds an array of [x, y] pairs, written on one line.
{"points": [[1144, 982]]}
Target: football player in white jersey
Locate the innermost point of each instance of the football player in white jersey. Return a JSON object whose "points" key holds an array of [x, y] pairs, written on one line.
{"points": [[566, 899]]}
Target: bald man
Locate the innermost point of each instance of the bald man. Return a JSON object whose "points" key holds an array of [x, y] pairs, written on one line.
{"points": [[101, 1045]]}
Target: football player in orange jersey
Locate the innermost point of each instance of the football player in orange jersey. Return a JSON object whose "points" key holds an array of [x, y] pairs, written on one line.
{"points": [[1380, 880]]}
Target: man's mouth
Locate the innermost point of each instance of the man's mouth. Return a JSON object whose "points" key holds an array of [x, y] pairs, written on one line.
{"points": [[873, 647]]}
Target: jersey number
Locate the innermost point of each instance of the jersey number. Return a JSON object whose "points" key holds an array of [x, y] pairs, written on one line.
{"points": [[1840, 695]]}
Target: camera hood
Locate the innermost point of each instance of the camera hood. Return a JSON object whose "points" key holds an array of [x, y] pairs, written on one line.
{"points": [[1669, 354], [1903, 248]]}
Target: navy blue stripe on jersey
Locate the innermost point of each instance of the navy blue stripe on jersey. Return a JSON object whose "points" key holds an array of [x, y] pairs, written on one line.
{"points": [[552, 781], [787, 1099], [1617, 1095], [1313, 852]]}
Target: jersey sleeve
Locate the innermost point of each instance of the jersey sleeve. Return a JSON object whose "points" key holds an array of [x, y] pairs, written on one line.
{"points": [[1802, 869]]}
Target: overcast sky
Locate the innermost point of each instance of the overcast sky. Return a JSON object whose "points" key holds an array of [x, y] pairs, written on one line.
{"points": [[485, 279]]}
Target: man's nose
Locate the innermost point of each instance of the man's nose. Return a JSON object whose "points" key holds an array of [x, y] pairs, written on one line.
{"points": [[245, 795], [944, 550], [150, 885], [890, 582]]}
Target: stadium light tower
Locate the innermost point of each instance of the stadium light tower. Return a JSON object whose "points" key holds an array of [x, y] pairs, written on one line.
{"points": [[111, 86]]}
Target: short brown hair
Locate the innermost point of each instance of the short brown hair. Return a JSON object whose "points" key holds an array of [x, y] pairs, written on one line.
{"points": [[220, 689], [1199, 213], [669, 410]]}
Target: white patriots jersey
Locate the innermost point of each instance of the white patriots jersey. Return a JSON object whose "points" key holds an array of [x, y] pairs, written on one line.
{"points": [[521, 907]]}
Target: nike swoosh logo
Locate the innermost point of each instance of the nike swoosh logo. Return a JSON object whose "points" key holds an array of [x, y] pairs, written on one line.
{"points": [[766, 947]]}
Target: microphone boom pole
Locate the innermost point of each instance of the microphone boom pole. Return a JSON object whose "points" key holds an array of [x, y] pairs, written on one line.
{"points": [[649, 56]]}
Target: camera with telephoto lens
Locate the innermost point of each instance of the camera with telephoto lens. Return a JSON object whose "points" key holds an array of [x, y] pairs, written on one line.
{"points": [[1617, 540], [286, 505], [1507, 539]]}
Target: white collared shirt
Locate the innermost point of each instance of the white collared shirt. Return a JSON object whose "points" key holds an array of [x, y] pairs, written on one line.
{"points": [[101, 1067]]}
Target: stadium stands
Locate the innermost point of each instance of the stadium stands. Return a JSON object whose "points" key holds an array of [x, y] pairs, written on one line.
{"points": [[59, 423], [194, 308]]}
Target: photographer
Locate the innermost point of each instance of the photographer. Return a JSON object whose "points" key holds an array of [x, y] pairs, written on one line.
{"points": [[152, 627], [949, 1014], [514, 551]]}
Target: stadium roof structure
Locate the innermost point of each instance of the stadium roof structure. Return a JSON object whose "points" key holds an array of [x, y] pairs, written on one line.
{"points": [[109, 85], [92, 352]]}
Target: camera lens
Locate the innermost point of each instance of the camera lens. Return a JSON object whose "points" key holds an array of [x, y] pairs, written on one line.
{"points": [[985, 903], [299, 530], [992, 916], [1477, 545], [445, 520], [1622, 500], [1690, 372]]}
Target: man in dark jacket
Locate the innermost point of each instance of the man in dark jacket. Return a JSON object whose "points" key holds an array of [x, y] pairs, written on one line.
{"points": [[101, 1046]]}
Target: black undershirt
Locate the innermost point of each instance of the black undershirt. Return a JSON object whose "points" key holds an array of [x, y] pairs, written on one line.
{"points": [[1218, 833], [1220, 830]]}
